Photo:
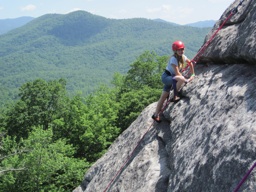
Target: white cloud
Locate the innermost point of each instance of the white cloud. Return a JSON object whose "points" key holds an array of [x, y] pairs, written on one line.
{"points": [[180, 15], [163, 8], [28, 8]]}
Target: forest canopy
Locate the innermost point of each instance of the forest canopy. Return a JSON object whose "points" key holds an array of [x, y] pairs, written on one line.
{"points": [[49, 139]]}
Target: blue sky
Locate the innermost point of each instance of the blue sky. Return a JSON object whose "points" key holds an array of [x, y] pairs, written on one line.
{"points": [[178, 11]]}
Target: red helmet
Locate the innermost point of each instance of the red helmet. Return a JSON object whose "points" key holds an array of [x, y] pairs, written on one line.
{"points": [[177, 45]]}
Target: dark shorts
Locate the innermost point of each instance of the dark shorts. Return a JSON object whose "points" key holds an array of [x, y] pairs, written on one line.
{"points": [[167, 81]]}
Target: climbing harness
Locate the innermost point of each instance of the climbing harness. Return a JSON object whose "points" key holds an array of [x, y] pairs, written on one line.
{"points": [[244, 178], [193, 62]]}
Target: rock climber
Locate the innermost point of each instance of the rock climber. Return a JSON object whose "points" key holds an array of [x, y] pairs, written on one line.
{"points": [[173, 78]]}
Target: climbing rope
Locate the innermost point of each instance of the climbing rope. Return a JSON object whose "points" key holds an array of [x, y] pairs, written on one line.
{"points": [[127, 159], [245, 177], [131, 154], [203, 48]]}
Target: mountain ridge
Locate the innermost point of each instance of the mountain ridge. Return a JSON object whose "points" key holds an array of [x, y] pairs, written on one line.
{"points": [[7, 25], [85, 49], [202, 24], [199, 24]]}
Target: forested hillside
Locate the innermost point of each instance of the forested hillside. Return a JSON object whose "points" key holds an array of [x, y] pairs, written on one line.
{"points": [[84, 49]]}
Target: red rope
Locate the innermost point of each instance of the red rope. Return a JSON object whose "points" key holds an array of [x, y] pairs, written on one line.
{"points": [[130, 155], [127, 160], [244, 178], [203, 48], [232, 12], [200, 52]]}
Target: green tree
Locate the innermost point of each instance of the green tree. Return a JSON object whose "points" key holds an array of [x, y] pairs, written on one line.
{"points": [[46, 165], [133, 102], [101, 129], [89, 124], [145, 71], [39, 104], [141, 86]]}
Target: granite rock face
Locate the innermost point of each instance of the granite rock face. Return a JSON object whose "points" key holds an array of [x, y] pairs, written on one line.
{"points": [[235, 42], [206, 142]]}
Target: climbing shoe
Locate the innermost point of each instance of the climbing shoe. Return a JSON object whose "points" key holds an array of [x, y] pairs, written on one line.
{"points": [[180, 95], [175, 100], [156, 118]]}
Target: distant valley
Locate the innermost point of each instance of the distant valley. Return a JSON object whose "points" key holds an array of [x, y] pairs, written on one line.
{"points": [[84, 49]]}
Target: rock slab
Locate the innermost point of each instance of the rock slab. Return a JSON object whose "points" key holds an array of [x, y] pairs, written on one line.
{"points": [[206, 143], [235, 42]]}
